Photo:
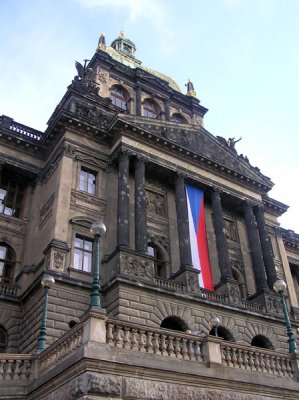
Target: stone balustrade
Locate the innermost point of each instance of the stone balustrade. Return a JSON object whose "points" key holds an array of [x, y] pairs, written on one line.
{"points": [[214, 296], [153, 341], [62, 348], [252, 306], [256, 359], [17, 367], [170, 285], [8, 290], [19, 129]]}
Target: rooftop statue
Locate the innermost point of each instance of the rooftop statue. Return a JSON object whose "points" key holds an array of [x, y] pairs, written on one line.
{"points": [[84, 80]]}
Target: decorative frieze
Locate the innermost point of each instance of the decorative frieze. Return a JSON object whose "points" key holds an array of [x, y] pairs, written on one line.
{"points": [[91, 205]]}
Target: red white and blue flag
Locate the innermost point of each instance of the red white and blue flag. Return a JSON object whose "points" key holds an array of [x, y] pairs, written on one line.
{"points": [[198, 237]]}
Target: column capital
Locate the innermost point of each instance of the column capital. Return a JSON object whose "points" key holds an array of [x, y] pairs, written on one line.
{"points": [[180, 177], [248, 203], [123, 154], [216, 191], [140, 160]]}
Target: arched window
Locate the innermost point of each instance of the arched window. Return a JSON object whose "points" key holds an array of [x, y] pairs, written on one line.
{"points": [[223, 333], [242, 287], [119, 97], [3, 340], [150, 109], [159, 261], [174, 323], [7, 263], [178, 118], [262, 341]]}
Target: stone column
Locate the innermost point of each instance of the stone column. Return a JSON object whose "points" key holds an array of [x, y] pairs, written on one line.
{"points": [[183, 223], [296, 273], [255, 247], [167, 110], [138, 101], [266, 248], [1, 170], [123, 201], [221, 241], [140, 208]]}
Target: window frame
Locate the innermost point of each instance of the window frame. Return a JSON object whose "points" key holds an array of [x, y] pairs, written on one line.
{"points": [[9, 264], [120, 96], [89, 172], [159, 260], [178, 118], [83, 251], [3, 345], [15, 195], [147, 112]]}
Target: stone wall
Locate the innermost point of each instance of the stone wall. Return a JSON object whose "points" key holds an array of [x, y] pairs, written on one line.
{"points": [[65, 303], [93, 385], [150, 307]]}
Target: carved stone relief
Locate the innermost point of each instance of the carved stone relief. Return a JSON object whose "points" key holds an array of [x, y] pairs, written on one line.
{"points": [[101, 75], [136, 267], [155, 203], [230, 230], [58, 260]]}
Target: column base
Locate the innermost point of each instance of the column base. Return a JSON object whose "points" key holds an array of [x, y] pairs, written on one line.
{"points": [[230, 288], [269, 300], [188, 276]]}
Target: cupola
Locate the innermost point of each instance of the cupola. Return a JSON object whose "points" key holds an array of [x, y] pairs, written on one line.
{"points": [[124, 45]]}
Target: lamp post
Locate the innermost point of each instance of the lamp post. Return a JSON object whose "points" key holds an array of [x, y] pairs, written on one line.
{"points": [[98, 229], [47, 282], [214, 322], [280, 286]]}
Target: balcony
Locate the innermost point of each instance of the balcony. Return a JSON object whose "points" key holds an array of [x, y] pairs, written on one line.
{"points": [[97, 346]]}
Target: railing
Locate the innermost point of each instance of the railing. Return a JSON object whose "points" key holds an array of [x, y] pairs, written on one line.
{"points": [[20, 129], [63, 347], [258, 360], [153, 341], [168, 284], [252, 306], [8, 290], [213, 296], [16, 367]]}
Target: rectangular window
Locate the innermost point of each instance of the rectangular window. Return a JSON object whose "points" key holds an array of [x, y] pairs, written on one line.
{"points": [[87, 181], [83, 254], [11, 195]]}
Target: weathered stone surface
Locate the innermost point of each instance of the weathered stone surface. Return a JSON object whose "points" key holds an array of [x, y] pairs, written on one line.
{"points": [[151, 390], [88, 384], [95, 383]]}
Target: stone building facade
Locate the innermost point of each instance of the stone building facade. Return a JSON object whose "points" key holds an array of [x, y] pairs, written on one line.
{"points": [[119, 148]]}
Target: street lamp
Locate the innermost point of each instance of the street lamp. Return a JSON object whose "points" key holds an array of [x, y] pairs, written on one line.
{"points": [[280, 286], [214, 322], [47, 282], [98, 229]]}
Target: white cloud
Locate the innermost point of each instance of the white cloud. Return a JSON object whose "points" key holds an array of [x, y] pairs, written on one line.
{"points": [[154, 11]]}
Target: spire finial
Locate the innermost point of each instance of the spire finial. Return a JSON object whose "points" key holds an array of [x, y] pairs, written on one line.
{"points": [[122, 34]]}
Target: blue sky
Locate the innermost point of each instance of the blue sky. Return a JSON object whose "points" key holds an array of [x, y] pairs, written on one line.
{"points": [[242, 56]]}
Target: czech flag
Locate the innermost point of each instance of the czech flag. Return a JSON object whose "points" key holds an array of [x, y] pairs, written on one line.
{"points": [[198, 237]]}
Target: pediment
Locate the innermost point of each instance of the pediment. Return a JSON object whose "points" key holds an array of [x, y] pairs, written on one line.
{"points": [[198, 141], [91, 161]]}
